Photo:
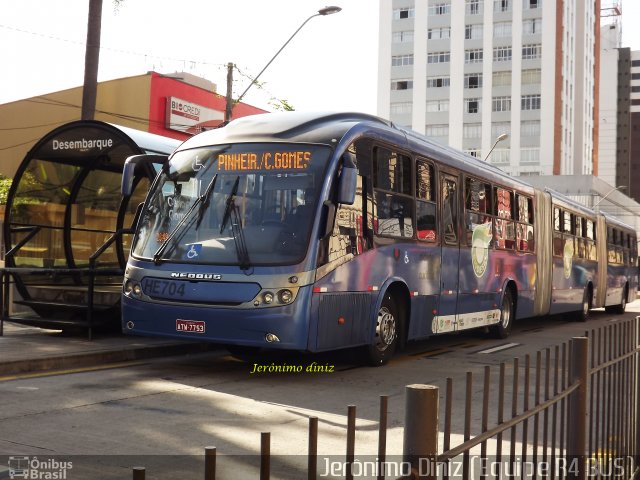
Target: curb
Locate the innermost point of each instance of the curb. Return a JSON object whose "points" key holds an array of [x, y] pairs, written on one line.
{"points": [[33, 365]]}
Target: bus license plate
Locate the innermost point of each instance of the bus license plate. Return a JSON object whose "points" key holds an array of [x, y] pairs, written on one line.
{"points": [[190, 326]]}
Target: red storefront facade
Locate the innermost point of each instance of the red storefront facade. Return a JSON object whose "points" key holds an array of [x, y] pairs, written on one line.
{"points": [[178, 109]]}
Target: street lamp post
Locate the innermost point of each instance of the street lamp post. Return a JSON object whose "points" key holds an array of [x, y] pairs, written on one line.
{"points": [[322, 12], [501, 137], [619, 187]]}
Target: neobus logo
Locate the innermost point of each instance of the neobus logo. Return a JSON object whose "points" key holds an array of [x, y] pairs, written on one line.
{"points": [[197, 276]]}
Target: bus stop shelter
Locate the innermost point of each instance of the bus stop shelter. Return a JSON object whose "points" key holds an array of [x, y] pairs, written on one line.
{"points": [[63, 207]]}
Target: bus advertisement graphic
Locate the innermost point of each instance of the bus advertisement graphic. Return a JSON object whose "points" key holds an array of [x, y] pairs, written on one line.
{"points": [[480, 241]]}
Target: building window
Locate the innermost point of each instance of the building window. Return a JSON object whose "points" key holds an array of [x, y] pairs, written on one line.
{"points": [[400, 13], [438, 57], [501, 104], [439, 33], [472, 105], [530, 52], [473, 56], [401, 60], [635, 89], [437, 130], [532, 4], [501, 5], [498, 128], [501, 29], [500, 156], [531, 76], [438, 82], [440, 9], [437, 106], [502, 54], [532, 26], [472, 130], [530, 102], [530, 128], [530, 156], [401, 84], [474, 153], [473, 32], [502, 78], [473, 80], [403, 37], [473, 7], [401, 107], [635, 63]]}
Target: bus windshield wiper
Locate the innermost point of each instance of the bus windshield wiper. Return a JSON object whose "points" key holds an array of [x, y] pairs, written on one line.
{"points": [[230, 203], [203, 200], [239, 239], [206, 199]]}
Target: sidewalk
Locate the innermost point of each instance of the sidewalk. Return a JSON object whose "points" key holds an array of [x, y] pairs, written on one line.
{"points": [[26, 349]]}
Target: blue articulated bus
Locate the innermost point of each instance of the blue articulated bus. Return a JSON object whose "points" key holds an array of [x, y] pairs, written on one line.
{"points": [[318, 232]]}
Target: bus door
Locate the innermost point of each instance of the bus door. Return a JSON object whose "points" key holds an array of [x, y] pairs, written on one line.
{"points": [[450, 253]]}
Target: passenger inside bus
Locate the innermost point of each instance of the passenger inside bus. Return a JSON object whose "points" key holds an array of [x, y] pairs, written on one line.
{"points": [[303, 209]]}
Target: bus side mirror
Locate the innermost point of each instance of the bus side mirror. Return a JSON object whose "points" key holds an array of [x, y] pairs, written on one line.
{"points": [[131, 169], [348, 181]]}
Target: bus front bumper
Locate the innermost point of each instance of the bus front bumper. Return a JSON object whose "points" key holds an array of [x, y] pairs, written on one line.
{"points": [[282, 327]]}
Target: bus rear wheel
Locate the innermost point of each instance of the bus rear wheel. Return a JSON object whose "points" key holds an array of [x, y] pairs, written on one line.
{"points": [[622, 306], [583, 314], [386, 335], [503, 328]]}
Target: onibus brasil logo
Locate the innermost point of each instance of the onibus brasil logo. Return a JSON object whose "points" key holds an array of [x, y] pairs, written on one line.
{"points": [[480, 241], [32, 468]]}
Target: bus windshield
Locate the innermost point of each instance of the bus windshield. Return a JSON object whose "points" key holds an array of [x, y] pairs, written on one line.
{"points": [[244, 204]]}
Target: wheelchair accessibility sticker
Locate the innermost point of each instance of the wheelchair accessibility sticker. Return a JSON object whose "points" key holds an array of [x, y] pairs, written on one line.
{"points": [[193, 251]]}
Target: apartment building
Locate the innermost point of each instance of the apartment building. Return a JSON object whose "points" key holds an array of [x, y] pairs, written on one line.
{"points": [[464, 72], [631, 176]]}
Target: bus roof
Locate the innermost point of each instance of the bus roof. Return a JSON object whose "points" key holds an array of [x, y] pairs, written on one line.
{"points": [[293, 127], [330, 127]]}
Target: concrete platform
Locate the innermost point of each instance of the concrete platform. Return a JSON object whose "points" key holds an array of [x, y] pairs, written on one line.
{"points": [[26, 349]]}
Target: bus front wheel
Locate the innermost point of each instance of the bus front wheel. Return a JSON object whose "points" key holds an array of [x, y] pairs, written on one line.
{"points": [[503, 328], [386, 335]]}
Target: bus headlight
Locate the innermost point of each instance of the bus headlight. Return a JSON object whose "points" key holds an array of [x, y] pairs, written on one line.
{"points": [[136, 290], [285, 296], [267, 297], [128, 287]]}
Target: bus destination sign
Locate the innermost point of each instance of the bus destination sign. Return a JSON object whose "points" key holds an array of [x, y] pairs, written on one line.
{"points": [[231, 162]]}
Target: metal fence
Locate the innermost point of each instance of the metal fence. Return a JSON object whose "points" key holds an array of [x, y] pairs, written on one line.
{"points": [[572, 411]]}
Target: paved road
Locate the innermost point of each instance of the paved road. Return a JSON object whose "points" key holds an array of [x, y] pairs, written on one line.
{"points": [[159, 412]]}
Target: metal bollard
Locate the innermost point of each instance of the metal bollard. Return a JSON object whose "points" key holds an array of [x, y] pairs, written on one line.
{"points": [[577, 421], [210, 463], [420, 447], [138, 473]]}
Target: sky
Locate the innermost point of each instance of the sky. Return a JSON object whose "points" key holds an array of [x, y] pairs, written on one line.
{"points": [[331, 64]]}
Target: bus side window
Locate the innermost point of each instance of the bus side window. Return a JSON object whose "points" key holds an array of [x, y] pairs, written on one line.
{"points": [[478, 209], [449, 210], [425, 202], [524, 227], [393, 207], [505, 234]]}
